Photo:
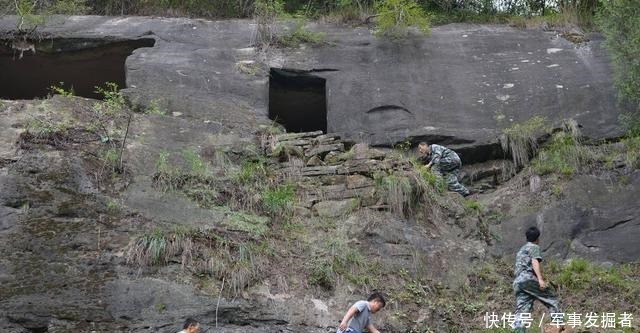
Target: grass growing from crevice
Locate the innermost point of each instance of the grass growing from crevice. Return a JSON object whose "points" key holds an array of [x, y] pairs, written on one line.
{"points": [[299, 35], [521, 139], [337, 261], [230, 257], [564, 155]]}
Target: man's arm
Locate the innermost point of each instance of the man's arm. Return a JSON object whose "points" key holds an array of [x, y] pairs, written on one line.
{"points": [[345, 320], [372, 329], [537, 268]]}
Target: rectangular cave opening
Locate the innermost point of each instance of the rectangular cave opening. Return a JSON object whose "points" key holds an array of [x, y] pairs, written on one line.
{"points": [[298, 100], [30, 68]]}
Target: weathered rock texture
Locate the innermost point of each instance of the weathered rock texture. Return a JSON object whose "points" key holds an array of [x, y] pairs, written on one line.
{"points": [[455, 87]]}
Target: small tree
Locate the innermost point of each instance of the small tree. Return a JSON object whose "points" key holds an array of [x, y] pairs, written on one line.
{"points": [[265, 14], [619, 20], [396, 16]]}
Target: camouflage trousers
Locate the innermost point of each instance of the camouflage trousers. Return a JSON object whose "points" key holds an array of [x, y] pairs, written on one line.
{"points": [[449, 169], [526, 293]]}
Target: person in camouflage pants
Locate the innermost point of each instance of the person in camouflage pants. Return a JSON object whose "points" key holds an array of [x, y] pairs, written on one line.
{"points": [[444, 162], [529, 284]]}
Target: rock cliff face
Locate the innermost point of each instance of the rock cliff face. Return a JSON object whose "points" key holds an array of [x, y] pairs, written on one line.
{"points": [[67, 218], [456, 87]]}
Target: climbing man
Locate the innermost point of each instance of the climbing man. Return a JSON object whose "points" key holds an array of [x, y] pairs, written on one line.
{"points": [[190, 326], [361, 312], [444, 162], [529, 284]]}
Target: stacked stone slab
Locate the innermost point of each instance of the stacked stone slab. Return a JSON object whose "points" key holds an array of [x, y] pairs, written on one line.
{"points": [[333, 177]]}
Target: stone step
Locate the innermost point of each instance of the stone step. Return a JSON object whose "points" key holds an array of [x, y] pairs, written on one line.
{"points": [[318, 150], [319, 170], [294, 136]]}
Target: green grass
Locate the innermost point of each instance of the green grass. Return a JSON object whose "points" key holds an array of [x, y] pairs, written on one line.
{"points": [[251, 171], [520, 140], [563, 155], [472, 206], [256, 226], [194, 163], [59, 89], [337, 261], [155, 108], [397, 191], [279, 201], [581, 275], [113, 102], [298, 35]]}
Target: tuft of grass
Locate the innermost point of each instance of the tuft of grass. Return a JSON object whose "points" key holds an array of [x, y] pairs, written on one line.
{"points": [[431, 178], [472, 205], [564, 155], [155, 108], [338, 261], [520, 140], [249, 67], [279, 201], [251, 171], [194, 163], [298, 35], [581, 275], [256, 226], [397, 191], [167, 176]]}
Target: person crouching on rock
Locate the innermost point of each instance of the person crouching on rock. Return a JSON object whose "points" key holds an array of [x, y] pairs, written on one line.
{"points": [[360, 315], [444, 162], [190, 326]]}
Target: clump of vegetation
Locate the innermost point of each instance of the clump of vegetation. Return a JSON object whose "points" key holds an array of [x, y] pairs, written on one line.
{"points": [[59, 89], [398, 191], [618, 20], [298, 35], [337, 260], [564, 154], [396, 16], [521, 139], [155, 108], [265, 14], [279, 201], [228, 257], [581, 275], [249, 67]]}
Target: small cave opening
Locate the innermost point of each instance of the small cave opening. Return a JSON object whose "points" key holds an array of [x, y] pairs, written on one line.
{"points": [[298, 100], [30, 68]]}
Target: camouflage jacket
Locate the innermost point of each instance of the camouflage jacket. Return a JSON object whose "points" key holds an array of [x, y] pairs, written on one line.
{"points": [[438, 152], [524, 265]]}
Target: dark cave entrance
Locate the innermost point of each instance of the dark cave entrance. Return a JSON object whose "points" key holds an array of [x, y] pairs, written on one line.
{"points": [[82, 64], [298, 100]]}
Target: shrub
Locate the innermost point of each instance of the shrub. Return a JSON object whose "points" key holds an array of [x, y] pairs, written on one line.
{"points": [[618, 20], [396, 16], [265, 14], [59, 89]]}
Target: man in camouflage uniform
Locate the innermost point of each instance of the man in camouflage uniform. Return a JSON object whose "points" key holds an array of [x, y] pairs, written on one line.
{"points": [[529, 284], [445, 162]]}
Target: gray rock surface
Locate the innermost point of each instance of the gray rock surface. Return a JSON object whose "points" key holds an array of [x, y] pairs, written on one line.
{"points": [[457, 86], [597, 218]]}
